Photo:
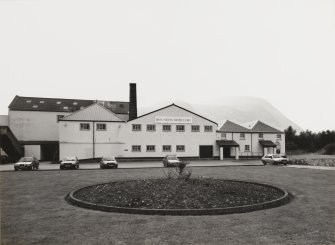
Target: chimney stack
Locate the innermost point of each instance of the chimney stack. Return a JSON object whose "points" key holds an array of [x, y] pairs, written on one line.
{"points": [[132, 102]]}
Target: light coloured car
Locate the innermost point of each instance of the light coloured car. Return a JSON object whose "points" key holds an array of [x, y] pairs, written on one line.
{"points": [[274, 159], [25, 163], [171, 161], [108, 162], [69, 162]]}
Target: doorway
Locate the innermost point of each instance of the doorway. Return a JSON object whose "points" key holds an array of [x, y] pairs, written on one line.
{"points": [[206, 151]]}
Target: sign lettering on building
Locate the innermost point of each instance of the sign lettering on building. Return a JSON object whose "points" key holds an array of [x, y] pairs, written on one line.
{"points": [[181, 120]]}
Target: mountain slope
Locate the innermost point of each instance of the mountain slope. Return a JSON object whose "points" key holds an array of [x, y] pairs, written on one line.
{"points": [[236, 109]]}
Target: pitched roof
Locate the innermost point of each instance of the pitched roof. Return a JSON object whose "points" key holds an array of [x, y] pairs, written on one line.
{"points": [[177, 107], [94, 112], [63, 105], [260, 127], [230, 126]]}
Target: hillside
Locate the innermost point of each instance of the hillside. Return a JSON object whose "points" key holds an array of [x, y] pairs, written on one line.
{"points": [[236, 109]]}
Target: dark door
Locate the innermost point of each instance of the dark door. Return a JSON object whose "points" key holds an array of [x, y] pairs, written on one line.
{"points": [[49, 152], [206, 151], [226, 152]]}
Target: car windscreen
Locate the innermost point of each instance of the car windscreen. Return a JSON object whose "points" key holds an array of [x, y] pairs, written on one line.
{"points": [[69, 159], [276, 156], [26, 159], [172, 158], [108, 159]]}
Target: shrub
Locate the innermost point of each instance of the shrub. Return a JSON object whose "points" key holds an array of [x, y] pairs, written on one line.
{"points": [[181, 171]]}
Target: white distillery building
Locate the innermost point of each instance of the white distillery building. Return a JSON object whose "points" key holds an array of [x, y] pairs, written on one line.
{"points": [[95, 132]]}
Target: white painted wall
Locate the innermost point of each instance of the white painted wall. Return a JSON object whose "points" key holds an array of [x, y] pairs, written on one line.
{"points": [[34, 125], [33, 151], [191, 140]]}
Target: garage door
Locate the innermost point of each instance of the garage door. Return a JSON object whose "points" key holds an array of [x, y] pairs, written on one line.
{"points": [[206, 151]]}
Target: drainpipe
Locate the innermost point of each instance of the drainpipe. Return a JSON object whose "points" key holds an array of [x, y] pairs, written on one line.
{"points": [[93, 140], [251, 144]]}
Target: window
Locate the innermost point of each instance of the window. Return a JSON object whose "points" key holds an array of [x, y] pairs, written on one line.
{"points": [[150, 148], [195, 128], [247, 148], [223, 135], [65, 107], [101, 127], [208, 128], [41, 101], [136, 148], [278, 136], [136, 127], [59, 117], [58, 102], [84, 126], [35, 106], [166, 128], [28, 101], [75, 103], [166, 148], [151, 127], [242, 136], [180, 128], [180, 148], [260, 136]]}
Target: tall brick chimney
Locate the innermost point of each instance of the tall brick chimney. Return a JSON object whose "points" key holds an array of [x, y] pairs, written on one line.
{"points": [[132, 102]]}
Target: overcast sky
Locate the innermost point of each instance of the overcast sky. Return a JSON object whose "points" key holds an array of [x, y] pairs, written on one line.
{"points": [[196, 51]]}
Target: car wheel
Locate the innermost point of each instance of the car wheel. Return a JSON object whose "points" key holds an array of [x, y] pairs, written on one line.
{"points": [[37, 167], [60, 167], [15, 169], [264, 162], [101, 166], [77, 166], [32, 168]]}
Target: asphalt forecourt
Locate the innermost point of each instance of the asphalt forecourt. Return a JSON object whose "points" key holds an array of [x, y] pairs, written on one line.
{"points": [[34, 210], [154, 164]]}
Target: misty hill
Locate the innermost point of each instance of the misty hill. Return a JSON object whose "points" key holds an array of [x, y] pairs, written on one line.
{"points": [[236, 109]]}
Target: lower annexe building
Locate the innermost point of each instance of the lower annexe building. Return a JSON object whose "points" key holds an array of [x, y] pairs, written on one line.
{"points": [[95, 132]]}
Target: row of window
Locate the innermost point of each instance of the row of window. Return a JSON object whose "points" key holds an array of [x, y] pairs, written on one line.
{"points": [[242, 136], [152, 148], [99, 127], [167, 128]]}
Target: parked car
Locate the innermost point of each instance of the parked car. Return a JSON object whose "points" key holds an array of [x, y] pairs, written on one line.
{"points": [[171, 161], [274, 159], [30, 163], [69, 162], [108, 162]]}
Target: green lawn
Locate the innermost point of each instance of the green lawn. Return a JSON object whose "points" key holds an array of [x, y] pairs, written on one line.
{"points": [[33, 211]]}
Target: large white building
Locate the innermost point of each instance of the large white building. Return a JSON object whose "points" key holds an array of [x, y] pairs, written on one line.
{"points": [[52, 128], [96, 132]]}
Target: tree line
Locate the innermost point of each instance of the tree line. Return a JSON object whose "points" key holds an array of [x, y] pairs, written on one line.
{"points": [[309, 141]]}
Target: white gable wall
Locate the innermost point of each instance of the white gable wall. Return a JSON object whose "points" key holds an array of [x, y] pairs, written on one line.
{"points": [[191, 140]]}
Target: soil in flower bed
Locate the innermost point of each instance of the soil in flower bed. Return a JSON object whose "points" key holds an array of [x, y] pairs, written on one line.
{"points": [[178, 194]]}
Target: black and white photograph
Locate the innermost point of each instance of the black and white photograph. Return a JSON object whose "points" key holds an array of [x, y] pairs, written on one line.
{"points": [[167, 122]]}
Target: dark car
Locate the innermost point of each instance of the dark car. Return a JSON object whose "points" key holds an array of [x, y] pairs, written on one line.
{"points": [[171, 161], [108, 162], [27, 163], [69, 162]]}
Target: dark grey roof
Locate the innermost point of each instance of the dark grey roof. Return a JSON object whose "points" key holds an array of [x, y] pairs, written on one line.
{"points": [[231, 127], [227, 143], [63, 105], [260, 127], [267, 143], [94, 112]]}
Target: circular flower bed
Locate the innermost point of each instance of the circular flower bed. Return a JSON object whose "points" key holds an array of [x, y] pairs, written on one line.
{"points": [[179, 196]]}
